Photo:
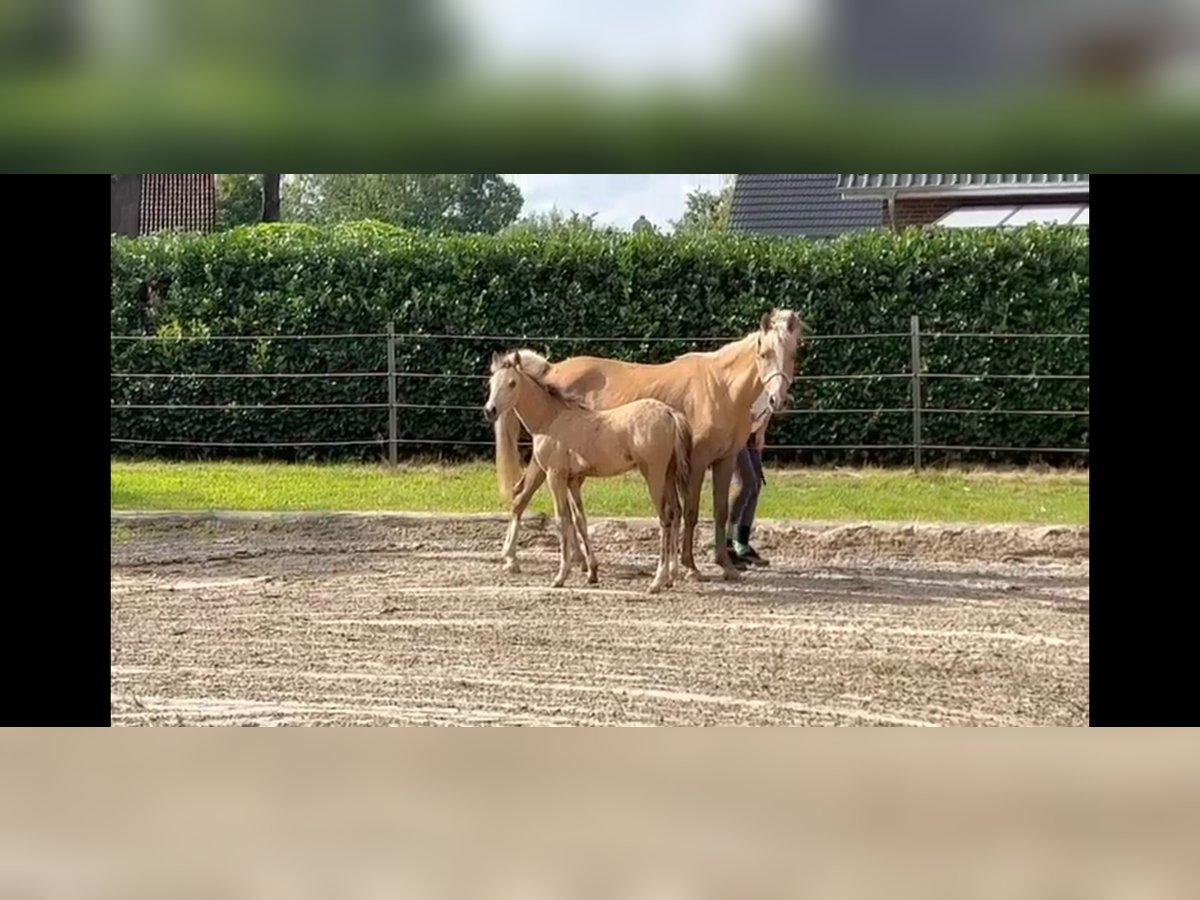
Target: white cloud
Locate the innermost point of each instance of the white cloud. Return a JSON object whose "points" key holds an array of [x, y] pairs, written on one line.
{"points": [[616, 199]]}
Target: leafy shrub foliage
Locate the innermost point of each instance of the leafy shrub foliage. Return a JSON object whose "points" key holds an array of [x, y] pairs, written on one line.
{"points": [[568, 293]]}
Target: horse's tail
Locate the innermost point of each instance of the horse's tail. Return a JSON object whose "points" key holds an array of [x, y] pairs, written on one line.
{"points": [[682, 458], [509, 469]]}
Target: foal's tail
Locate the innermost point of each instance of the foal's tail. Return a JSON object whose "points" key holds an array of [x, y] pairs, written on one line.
{"points": [[682, 458]]}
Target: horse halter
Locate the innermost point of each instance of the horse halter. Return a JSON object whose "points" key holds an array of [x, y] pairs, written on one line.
{"points": [[777, 374]]}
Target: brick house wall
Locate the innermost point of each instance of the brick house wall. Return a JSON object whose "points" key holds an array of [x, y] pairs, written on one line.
{"points": [[923, 210]]}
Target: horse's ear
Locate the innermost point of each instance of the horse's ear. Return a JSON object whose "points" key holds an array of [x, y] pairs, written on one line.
{"points": [[496, 358], [794, 323], [516, 358], [766, 322]]}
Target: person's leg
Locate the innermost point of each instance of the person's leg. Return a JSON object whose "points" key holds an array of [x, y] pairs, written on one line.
{"points": [[745, 523]]}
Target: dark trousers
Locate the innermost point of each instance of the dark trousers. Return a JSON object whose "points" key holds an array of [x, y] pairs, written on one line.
{"points": [[744, 504]]}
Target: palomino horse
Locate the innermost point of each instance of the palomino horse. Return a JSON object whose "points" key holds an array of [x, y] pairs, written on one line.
{"points": [[713, 390], [572, 442]]}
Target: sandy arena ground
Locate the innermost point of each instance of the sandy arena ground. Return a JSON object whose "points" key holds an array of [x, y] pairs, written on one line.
{"points": [[402, 620]]}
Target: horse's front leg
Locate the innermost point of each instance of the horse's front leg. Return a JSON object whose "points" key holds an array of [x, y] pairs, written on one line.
{"points": [[722, 476], [690, 513], [530, 482]]}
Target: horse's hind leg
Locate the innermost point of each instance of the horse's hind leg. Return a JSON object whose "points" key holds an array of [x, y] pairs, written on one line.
{"points": [[581, 529], [562, 512], [530, 482]]}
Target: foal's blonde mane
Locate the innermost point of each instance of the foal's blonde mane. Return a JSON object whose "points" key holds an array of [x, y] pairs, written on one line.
{"points": [[537, 367], [531, 362]]}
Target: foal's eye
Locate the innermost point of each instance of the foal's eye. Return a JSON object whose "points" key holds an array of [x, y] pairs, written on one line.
{"points": [[513, 383]]}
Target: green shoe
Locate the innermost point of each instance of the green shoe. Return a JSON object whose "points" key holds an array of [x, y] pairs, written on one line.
{"points": [[750, 555], [741, 544]]}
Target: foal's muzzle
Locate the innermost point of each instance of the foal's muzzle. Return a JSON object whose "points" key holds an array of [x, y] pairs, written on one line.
{"points": [[490, 412]]}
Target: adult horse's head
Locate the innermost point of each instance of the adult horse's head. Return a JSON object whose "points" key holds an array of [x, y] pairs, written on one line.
{"points": [[778, 341]]}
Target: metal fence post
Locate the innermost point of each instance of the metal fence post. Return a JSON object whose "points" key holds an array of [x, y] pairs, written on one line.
{"points": [[391, 351], [915, 327]]}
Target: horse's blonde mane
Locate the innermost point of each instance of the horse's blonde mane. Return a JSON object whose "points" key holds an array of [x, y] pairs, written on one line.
{"points": [[784, 321]]}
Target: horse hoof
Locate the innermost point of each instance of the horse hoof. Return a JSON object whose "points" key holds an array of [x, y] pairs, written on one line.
{"points": [[558, 582], [690, 575], [510, 565], [593, 578], [731, 574]]}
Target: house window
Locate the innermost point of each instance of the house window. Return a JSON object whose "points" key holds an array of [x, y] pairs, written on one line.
{"points": [[976, 217], [1052, 215], [1013, 216]]}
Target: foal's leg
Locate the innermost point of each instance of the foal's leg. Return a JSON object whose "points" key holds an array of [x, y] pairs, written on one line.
{"points": [[674, 517], [562, 512], [574, 553], [722, 475], [578, 555], [581, 529], [656, 481], [534, 476]]}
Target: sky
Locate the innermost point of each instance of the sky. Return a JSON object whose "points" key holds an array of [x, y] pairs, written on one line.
{"points": [[623, 42], [616, 199]]}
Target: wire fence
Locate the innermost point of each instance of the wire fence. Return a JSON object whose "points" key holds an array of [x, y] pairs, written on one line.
{"points": [[386, 401]]}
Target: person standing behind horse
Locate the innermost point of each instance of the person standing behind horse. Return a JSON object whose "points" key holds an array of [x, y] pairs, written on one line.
{"points": [[744, 504]]}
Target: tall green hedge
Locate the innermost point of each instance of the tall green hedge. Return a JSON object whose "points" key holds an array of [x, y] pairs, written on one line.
{"points": [[294, 279]]}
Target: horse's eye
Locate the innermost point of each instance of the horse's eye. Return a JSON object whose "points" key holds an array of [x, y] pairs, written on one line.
{"points": [[512, 383]]}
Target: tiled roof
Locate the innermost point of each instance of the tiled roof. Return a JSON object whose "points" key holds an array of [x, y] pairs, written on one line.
{"points": [[803, 205], [1022, 183], [183, 202]]}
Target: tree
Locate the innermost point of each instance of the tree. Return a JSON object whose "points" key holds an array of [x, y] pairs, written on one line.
{"points": [[270, 194], [473, 204], [485, 203], [555, 219], [247, 199], [239, 200], [706, 212]]}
